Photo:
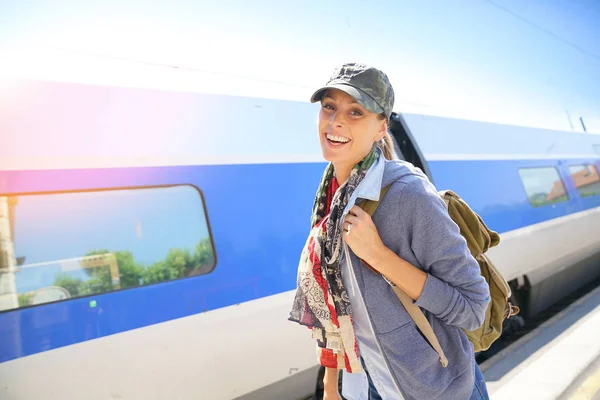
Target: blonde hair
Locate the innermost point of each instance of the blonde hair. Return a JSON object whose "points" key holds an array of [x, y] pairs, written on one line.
{"points": [[386, 144]]}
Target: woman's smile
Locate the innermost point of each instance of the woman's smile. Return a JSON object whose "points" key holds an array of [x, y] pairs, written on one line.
{"points": [[336, 141]]}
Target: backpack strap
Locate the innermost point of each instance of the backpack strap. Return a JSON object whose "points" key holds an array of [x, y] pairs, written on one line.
{"points": [[413, 310], [370, 206], [419, 318]]}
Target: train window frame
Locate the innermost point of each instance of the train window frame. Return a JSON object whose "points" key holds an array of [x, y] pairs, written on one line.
{"points": [[209, 231], [547, 203], [591, 168]]}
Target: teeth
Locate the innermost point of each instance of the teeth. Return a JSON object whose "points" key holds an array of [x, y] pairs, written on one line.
{"points": [[337, 138]]}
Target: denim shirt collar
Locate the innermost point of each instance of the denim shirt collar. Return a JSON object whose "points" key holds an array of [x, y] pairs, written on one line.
{"points": [[370, 187]]}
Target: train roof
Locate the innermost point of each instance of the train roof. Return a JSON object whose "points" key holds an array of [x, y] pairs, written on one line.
{"points": [[57, 125], [451, 138]]}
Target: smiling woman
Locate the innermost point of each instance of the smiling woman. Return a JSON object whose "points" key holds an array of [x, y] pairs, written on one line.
{"points": [[354, 316], [347, 130], [350, 120]]}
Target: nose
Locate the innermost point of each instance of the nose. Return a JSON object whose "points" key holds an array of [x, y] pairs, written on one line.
{"points": [[336, 119]]}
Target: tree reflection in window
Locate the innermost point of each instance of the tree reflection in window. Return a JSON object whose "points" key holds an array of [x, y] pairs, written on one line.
{"points": [[150, 221], [177, 264]]}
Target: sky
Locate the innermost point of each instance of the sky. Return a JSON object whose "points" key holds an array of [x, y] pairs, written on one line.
{"points": [[532, 63]]}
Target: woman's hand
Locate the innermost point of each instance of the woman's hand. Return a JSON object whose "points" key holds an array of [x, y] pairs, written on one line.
{"points": [[361, 234], [365, 242]]}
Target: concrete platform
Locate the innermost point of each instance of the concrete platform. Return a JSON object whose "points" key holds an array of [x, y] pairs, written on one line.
{"points": [[586, 386], [554, 360]]}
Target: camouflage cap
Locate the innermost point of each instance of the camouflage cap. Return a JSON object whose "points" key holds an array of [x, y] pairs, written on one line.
{"points": [[369, 86]]}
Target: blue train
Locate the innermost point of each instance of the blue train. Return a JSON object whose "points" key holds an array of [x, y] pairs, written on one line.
{"points": [[149, 238]]}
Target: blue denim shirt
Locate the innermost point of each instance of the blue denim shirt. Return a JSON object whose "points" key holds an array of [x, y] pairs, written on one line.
{"points": [[355, 386], [413, 222]]}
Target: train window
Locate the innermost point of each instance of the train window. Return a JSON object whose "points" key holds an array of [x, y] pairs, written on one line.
{"points": [[586, 179], [59, 246], [543, 186]]}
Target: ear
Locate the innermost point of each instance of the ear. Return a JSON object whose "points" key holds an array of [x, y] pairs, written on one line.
{"points": [[382, 130]]}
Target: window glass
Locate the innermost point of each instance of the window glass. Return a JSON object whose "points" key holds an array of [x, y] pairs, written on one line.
{"points": [[543, 186], [66, 245], [586, 179]]}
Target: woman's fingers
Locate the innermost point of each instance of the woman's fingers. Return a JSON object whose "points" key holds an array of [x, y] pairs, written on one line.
{"points": [[357, 211], [351, 219], [346, 227]]}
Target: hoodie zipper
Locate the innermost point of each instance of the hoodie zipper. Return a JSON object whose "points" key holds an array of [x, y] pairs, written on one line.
{"points": [[355, 282]]}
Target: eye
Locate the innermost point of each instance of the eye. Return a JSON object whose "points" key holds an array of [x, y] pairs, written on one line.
{"points": [[356, 112], [328, 106]]}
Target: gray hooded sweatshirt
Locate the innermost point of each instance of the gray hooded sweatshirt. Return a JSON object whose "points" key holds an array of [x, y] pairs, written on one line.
{"points": [[412, 221]]}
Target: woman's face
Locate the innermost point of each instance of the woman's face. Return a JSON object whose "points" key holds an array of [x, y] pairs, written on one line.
{"points": [[347, 130]]}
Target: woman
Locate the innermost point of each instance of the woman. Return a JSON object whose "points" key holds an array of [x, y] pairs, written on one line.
{"points": [[353, 313]]}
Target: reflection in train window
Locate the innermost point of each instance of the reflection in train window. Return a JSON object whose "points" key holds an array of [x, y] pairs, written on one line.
{"points": [[543, 186], [586, 179], [64, 245]]}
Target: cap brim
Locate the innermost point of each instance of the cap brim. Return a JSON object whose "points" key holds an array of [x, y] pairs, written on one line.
{"points": [[361, 97]]}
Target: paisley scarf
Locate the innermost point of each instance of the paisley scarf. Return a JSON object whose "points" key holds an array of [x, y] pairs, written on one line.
{"points": [[321, 302]]}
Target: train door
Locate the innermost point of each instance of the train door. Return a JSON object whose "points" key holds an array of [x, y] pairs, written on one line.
{"points": [[405, 145]]}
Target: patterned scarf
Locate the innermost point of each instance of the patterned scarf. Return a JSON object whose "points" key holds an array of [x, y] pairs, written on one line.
{"points": [[322, 303]]}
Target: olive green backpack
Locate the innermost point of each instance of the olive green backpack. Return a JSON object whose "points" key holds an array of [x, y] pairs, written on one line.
{"points": [[479, 239]]}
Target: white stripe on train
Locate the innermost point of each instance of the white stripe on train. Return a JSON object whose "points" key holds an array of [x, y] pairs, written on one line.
{"points": [[74, 162]]}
